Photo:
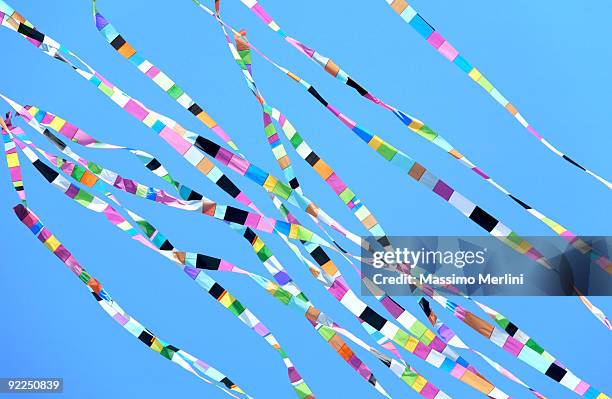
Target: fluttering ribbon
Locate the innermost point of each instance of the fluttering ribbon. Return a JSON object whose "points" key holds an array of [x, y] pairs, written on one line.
{"points": [[426, 345], [190, 200], [451, 338], [98, 169], [246, 66], [49, 119], [425, 30], [416, 125], [241, 54], [285, 289], [511, 339], [438, 42], [178, 356], [418, 381], [194, 265], [607, 267], [464, 205]]}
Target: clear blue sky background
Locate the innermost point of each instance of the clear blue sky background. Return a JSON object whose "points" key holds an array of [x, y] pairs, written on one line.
{"points": [[550, 59]]}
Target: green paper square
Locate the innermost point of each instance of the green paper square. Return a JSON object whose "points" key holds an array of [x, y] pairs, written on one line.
{"points": [[94, 167], [401, 338], [326, 333], [347, 195], [427, 133], [175, 91], [283, 295], [296, 140], [282, 190], [264, 253], [77, 172], [105, 89], [236, 308], [302, 390], [533, 345], [83, 197], [387, 151]]}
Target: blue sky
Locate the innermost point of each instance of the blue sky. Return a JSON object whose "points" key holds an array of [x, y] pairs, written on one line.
{"points": [[550, 61]]}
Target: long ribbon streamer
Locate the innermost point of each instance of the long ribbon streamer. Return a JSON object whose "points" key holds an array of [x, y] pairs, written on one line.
{"points": [[416, 125], [438, 42], [291, 192], [408, 14], [180, 357]]}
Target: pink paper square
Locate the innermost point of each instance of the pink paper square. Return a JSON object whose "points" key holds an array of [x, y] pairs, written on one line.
{"points": [[581, 388], [422, 351], [265, 226], [252, 220], [225, 266], [68, 130], [338, 289], [44, 234], [261, 13], [243, 199], [73, 264], [121, 319], [513, 346], [224, 156], [448, 51], [435, 39], [47, 119], [238, 164], [113, 216], [335, 183], [136, 109], [16, 174], [218, 130], [362, 369], [152, 72], [458, 371], [429, 391], [176, 141], [83, 138]]}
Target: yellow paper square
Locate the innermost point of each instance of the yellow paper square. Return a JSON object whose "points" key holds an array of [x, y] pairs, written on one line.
{"points": [[475, 74], [52, 243], [428, 335], [411, 344], [419, 384], [226, 300], [270, 183], [375, 142], [57, 123], [258, 244], [156, 346], [293, 232], [415, 124], [33, 111], [12, 159]]}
